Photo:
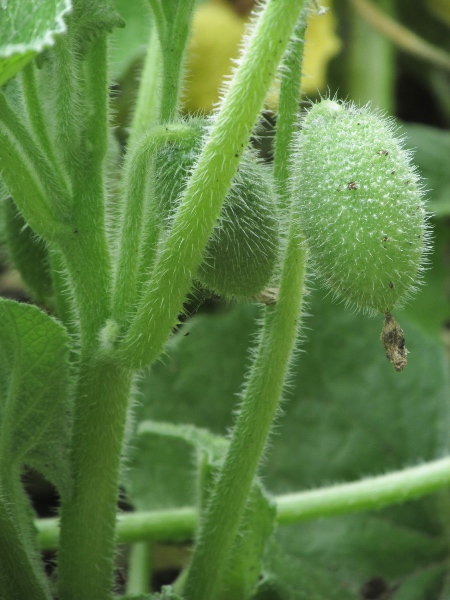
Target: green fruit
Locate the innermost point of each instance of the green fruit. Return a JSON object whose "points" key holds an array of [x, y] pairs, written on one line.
{"points": [[360, 204], [243, 250]]}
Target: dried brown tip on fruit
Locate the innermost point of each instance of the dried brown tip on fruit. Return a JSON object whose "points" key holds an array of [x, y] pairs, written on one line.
{"points": [[394, 342]]}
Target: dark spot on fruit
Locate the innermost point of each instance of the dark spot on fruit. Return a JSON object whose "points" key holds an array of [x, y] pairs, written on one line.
{"points": [[75, 230], [236, 155], [406, 182], [374, 588], [383, 152], [351, 185], [393, 172], [385, 239], [391, 285], [187, 333]]}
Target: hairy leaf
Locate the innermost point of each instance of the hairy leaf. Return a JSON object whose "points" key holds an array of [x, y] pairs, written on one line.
{"points": [[26, 28], [34, 392]]}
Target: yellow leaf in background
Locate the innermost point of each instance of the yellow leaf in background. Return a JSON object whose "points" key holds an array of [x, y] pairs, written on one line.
{"points": [[216, 37], [217, 31]]}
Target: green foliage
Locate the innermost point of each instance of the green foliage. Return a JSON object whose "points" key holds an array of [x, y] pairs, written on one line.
{"points": [[113, 254], [243, 250], [27, 28]]}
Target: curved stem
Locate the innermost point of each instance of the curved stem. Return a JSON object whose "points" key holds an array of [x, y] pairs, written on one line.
{"points": [[138, 222], [371, 493], [401, 36], [208, 185]]}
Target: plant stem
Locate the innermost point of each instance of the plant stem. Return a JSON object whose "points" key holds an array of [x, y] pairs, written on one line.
{"points": [[103, 391], [401, 36], [88, 516], [371, 493], [138, 222], [139, 569], [146, 114], [208, 185], [85, 249], [37, 119], [221, 521], [371, 65], [174, 44], [26, 187]]}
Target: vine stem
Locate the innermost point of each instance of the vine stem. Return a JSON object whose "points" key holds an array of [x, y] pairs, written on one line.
{"points": [[371, 493], [401, 36], [220, 524], [207, 188]]}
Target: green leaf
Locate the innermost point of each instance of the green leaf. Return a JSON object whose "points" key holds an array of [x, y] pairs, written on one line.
{"points": [[431, 147], [348, 414], [28, 253], [34, 392], [288, 578], [167, 593], [171, 465], [128, 43], [245, 567], [164, 461], [28, 26]]}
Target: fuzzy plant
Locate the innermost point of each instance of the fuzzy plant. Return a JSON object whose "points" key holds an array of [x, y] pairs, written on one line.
{"points": [[111, 260]]}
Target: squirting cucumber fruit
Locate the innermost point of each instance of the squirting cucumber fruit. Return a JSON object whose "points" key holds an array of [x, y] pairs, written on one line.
{"points": [[243, 250], [360, 204]]}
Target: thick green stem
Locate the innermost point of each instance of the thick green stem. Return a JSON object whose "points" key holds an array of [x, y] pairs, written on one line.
{"points": [[85, 249], [221, 522], [372, 493], [88, 516], [208, 186]]}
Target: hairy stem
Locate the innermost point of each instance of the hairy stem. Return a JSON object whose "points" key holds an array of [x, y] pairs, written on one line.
{"points": [[88, 516], [221, 521], [138, 225], [208, 185], [146, 114], [371, 493]]}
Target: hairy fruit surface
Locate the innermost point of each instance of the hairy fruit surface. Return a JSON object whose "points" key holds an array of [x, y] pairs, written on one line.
{"points": [[242, 252], [361, 206]]}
